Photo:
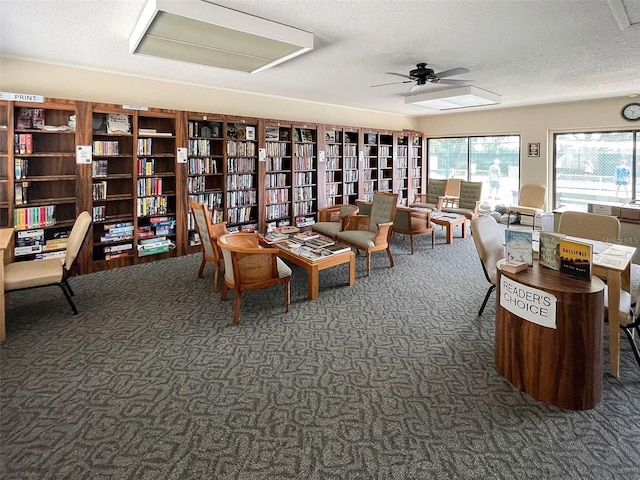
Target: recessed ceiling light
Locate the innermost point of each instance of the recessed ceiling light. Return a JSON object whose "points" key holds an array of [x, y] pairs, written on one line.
{"points": [[450, 98]]}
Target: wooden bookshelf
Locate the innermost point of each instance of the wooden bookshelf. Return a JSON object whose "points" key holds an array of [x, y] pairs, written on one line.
{"points": [[417, 181], [385, 162], [241, 174], [205, 170], [155, 185], [333, 186], [401, 142], [6, 169], [305, 174], [278, 174], [44, 177], [351, 165], [112, 187], [370, 164]]}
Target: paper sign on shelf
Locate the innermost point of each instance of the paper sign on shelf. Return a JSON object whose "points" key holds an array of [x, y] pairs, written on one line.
{"points": [[321, 156], [84, 154], [21, 97], [181, 156], [262, 154]]}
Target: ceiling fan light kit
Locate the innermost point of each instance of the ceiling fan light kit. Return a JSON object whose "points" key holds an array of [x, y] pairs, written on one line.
{"points": [[451, 98], [203, 33]]}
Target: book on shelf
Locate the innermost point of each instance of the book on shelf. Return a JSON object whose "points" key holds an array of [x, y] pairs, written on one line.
{"points": [[576, 258], [330, 136], [30, 118], [512, 266], [118, 123], [519, 245], [549, 251], [272, 134], [21, 193]]}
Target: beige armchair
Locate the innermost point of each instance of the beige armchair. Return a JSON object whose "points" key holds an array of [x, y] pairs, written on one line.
{"points": [[469, 200], [332, 220], [409, 221], [372, 233], [530, 202], [247, 266], [489, 239], [50, 271], [208, 233], [432, 200]]}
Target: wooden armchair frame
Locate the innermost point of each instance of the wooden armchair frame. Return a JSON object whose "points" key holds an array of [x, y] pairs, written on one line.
{"points": [[409, 221], [251, 267], [333, 219], [208, 233]]}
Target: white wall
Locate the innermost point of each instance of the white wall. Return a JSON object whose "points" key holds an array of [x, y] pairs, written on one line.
{"points": [[535, 124], [19, 76]]}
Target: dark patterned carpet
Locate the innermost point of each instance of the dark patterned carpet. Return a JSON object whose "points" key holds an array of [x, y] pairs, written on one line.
{"points": [[393, 378]]}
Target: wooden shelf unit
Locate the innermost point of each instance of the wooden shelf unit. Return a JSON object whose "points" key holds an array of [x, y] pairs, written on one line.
{"points": [[401, 171], [221, 153], [205, 170], [278, 174]]}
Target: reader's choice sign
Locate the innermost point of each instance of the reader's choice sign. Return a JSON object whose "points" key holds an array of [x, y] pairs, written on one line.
{"points": [[536, 306]]}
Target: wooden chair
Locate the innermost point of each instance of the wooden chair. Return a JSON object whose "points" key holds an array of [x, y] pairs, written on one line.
{"points": [[432, 200], [469, 200], [530, 202], [489, 243], [208, 233], [332, 220], [247, 266], [50, 271], [451, 192], [410, 221], [371, 233]]}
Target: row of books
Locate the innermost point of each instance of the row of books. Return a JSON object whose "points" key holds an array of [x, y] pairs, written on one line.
{"points": [[106, 147], [149, 186], [23, 143], [21, 168], [154, 246], [34, 217], [99, 190], [21, 193]]}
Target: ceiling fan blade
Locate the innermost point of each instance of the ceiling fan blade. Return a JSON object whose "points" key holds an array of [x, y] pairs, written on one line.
{"points": [[452, 72], [399, 75], [392, 83], [447, 81]]}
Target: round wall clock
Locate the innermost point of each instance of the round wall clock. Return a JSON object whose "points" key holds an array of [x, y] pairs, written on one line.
{"points": [[631, 112]]}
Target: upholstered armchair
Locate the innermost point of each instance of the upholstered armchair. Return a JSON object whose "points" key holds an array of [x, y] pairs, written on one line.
{"points": [[332, 220], [208, 233], [469, 200], [409, 221], [247, 266], [530, 202], [432, 200], [489, 239], [372, 233], [50, 271]]}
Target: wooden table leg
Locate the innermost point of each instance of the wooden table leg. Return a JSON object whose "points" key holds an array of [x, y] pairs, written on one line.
{"points": [[313, 287], [352, 268], [613, 285], [450, 229], [464, 228], [3, 331]]}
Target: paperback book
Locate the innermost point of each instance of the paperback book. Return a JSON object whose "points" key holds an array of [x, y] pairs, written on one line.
{"points": [[519, 246], [576, 258], [550, 249]]}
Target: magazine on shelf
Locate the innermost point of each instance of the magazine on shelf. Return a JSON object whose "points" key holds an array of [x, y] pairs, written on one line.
{"points": [[337, 248], [313, 253], [306, 235], [519, 245], [319, 242], [275, 237]]}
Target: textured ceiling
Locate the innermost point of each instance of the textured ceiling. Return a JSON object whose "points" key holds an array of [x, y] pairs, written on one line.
{"points": [[529, 52]]}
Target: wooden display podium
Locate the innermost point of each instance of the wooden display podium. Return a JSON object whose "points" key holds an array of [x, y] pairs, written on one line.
{"points": [[561, 366]]}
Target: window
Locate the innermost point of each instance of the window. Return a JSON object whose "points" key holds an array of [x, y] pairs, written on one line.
{"points": [[474, 159], [595, 167]]}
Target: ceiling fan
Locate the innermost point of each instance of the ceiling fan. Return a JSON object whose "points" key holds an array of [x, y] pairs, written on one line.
{"points": [[422, 75]]}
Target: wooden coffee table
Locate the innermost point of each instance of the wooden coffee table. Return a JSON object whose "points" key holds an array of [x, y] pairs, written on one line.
{"points": [[314, 267], [450, 221]]}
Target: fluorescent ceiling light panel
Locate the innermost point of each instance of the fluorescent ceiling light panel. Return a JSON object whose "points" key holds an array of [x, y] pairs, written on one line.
{"points": [[197, 31], [450, 98]]}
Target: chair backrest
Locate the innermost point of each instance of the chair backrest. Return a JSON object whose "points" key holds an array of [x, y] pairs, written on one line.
{"points": [[470, 193], [532, 196], [207, 231], [76, 238], [364, 207], [592, 226], [347, 209], [245, 262], [435, 189], [383, 209], [452, 188], [489, 241]]}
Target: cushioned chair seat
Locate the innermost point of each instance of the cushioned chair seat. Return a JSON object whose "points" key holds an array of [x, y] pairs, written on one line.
{"points": [[525, 210], [362, 238], [283, 269], [33, 274], [467, 212], [330, 229]]}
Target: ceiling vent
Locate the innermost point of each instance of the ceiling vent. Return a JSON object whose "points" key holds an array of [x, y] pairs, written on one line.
{"points": [[450, 98], [200, 32]]}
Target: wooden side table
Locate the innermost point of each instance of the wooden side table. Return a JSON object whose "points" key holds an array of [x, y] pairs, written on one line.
{"points": [[561, 366]]}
